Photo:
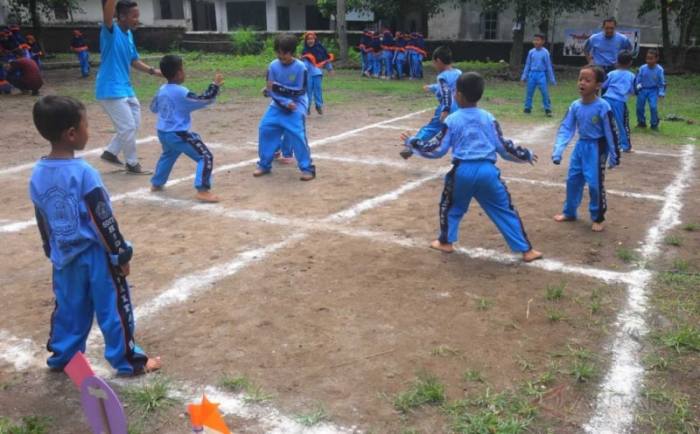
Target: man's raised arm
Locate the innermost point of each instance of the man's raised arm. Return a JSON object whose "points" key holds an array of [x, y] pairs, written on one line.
{"points": [[108, 7]]}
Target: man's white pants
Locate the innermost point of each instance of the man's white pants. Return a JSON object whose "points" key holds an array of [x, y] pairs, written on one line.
{"points": [[125, 114]]}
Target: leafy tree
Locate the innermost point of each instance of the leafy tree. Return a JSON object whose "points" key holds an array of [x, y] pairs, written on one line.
{"points": [[32, 10], [687, 18]]}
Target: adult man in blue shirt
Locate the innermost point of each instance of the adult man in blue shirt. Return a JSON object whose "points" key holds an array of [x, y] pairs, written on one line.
{"points": [[114, 90], [602, 48]]}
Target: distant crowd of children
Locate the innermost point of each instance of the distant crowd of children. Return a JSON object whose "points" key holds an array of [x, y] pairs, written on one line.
{"points": [[388, 55]]}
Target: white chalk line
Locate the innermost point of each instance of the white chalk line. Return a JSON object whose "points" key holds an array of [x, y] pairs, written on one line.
{"points": [[329, 224], [26, 166], [619, 392], [396, 127], [658, 154], [22, 225]]}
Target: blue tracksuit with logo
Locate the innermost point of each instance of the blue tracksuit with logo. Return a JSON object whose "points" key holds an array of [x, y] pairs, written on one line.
{"points": [[285, 84], [445, 90], [605, 50], [475, 139], [598, 142], [81, 237], [650, 84], [538, 71], [618, 87], [174, 104]]}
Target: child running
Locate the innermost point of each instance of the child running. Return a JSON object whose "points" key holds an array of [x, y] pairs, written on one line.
{"points": [[81, 236], [445, 91], [475, 138], [537, 72], [598, 142], [174, 104], [284, 122], [316, 59], [618, 87], [651, 86]]}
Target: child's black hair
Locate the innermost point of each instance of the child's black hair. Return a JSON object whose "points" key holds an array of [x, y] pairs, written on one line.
{"points": [[610, 20], [443, 54], [598, 72], [653, 51], [624, 58], [471, 86], [539, 35], [170, 64], [285, 43], [55, 114], [123, 7]]}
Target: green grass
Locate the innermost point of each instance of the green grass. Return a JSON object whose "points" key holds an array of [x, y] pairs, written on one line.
{"points": [[150, 397], [483, 304], [667, 411], [554, 315], [473, 375], [426, 389], [444, 351], [691, 227], [313, 417], [235, 383], [254, 393], [626, 255], [554, 292], [673, 240], [582, 371], [684, 338], [488, 412], [27, 425]]}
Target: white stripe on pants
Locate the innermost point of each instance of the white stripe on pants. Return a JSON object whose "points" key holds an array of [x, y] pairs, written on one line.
{"points": [[125, 114]]}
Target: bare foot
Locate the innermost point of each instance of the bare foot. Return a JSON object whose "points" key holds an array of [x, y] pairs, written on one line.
{"points": [[532, 255], [152, 365], [260, 172], [563, 218], [446, 248], [207, 196], [156, 188], [597, 227]]}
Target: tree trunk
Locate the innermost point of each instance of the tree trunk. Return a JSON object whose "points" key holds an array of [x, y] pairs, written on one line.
{"points": [[516, 51], [666, 35], [341, 29], [36, 20]]}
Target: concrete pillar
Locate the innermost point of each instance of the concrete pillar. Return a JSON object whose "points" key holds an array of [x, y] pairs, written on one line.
{"points": [[187, 13], [221, 17], [271, 15]]}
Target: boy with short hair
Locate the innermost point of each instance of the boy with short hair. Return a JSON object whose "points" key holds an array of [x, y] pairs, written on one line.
{"points": [[285, 118], [445, 90], [81, 236], [538, 70], [80, 48], [598, 142], [617, 88], [475, 138], [174, 104], [651, 86]]}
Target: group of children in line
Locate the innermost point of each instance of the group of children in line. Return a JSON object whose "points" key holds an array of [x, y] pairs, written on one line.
{"points": [[79, 231], [392, 56]]}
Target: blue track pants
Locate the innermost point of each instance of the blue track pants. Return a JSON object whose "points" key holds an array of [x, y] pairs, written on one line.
{"points": [[84, 59], [652, 96], [537, 80], [622, 119], [278, 128], [176, 143], [315, 90], [388, 62], [587, 166]]}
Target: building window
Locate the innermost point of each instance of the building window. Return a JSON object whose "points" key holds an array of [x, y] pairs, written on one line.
{"points": [[60, 12], [489, 25], [315, 20], [246, 14], [171, 10], [282, 18]]}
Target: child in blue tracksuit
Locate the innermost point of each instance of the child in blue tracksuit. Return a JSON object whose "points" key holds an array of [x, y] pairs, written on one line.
{"points": [[445, 90], [617, 88], [285, 118], [81, 236], [400, 56], [365, 48], [80, 48], [376, 56], [316, 59], [35, 50], [598, 143], [538, 71], [416, 54], [475, 138], [174, 104], [388, 51], [650, 84]]}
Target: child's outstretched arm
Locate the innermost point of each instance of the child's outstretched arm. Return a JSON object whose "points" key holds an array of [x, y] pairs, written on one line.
{"points": [[526, 69], [566, 132], [509, 150], [445, 99], [435, 147], [43, 231], [196, 102], [612, 137], [100, 209]]}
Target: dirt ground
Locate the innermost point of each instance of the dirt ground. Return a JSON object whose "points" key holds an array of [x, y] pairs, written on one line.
{"points": [[342, 318]]}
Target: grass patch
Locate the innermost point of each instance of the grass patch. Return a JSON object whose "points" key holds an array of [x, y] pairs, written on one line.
{"points": [[313, 417], [554, 292], [554, 315], [691, 227], [673, 240], [444, 351], [235, 383], [626, 255], [254, 393], [489, 412], [655, 362], [483, 304], [27, 425], [582, 371], [667, 411], [426, 389], [684, 338], [473, 375], [150, 397]]}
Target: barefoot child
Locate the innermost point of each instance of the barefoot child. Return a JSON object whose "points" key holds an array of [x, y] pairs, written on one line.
{"points": [[174, 104], [598, 142], [80, 235], [618, 87], [475, 138], [537, 72], [444, 90], [284, 122], [651, 86], [316, 59]]}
